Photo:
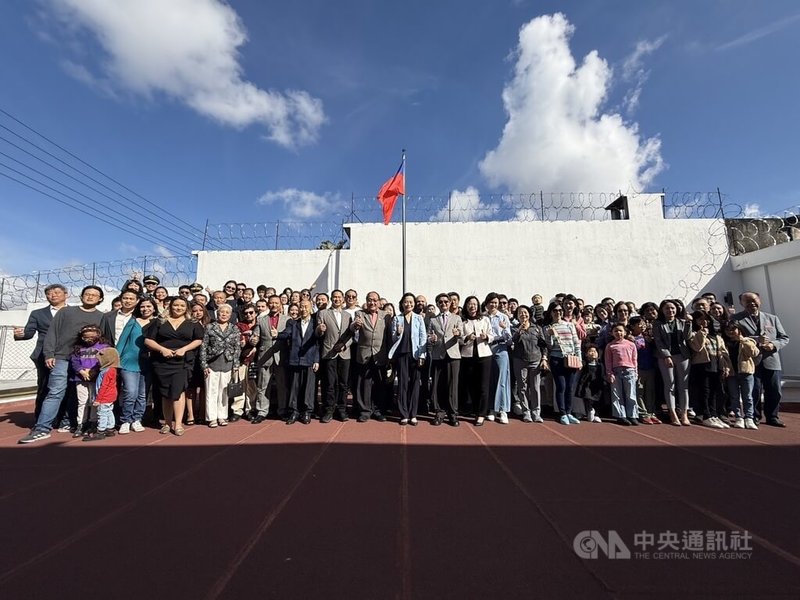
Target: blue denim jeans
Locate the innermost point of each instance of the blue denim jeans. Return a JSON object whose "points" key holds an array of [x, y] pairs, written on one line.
{"points": [[105, 416], [57, 384], [623, 393], [501, 379], [563, 380], [134, 396], [740, 390]]}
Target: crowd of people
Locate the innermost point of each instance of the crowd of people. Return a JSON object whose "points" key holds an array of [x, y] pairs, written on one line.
{"points": [[218, 356]]}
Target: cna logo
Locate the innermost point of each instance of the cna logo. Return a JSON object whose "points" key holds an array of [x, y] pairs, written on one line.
{"points": [[590, 543]]}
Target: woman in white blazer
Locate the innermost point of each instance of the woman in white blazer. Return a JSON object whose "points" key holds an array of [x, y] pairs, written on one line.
{"points": [[476, 358], [409, 340]]}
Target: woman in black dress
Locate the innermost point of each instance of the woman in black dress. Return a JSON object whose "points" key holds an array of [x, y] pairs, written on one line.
{"points": [[173, 341]]}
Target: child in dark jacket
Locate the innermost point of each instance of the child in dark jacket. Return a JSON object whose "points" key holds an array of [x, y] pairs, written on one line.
{"points": [[591, 382], [105, 394]]}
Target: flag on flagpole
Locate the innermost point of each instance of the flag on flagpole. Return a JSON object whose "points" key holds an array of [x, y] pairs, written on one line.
{"points": [[394, 187]]}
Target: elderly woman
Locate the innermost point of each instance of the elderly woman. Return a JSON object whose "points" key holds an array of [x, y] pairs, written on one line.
{"points": [[219, 358]]}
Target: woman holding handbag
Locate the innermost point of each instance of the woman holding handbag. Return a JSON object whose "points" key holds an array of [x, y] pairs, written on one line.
{"points": [[219, 358], [564, 349]]}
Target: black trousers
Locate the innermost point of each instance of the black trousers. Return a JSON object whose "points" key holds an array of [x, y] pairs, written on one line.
{"points": [[408, 387], [335, 383], [474, 380], [705, 391], [303, 389], [444, 389]]}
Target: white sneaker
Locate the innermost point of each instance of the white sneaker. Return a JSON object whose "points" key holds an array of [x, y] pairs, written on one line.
{"points": [[596, 419], [490, 416], [538, 419], [502, 418], [64, 429], [723, 422], [750, 424], [739, 423], [124, 428], [137, 427], [590, 415], [526, 418], [710, 422]]}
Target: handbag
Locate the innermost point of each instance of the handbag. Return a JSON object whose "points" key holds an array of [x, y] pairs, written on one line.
{"points": [[573, 361], [235, 388]]}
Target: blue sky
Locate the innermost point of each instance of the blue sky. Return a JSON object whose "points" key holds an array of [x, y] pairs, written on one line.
{"points": [[255, 111]]}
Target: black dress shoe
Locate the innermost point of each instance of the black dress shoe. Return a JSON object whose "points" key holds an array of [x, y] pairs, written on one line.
{"points": [[257, 419], [363, 418], [248, 417], [437, 420], [776, 423], [326, 418], [633, 421], [454, 421], [378, 416], [234, 418], [291, 420], [343, 418], [624, 422], [305, 419]]}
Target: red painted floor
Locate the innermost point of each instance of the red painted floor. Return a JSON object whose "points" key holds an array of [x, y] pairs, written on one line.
{"points": [[378, 511]]}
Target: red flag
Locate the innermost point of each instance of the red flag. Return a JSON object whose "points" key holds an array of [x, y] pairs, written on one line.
{"points": [[390, 190]]}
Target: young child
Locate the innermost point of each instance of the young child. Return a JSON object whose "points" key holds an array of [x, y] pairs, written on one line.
{"points": [[621, 361], [742, 350], [105, 394], [590, 383], [85, 366], [537, 308], [646, 390]]}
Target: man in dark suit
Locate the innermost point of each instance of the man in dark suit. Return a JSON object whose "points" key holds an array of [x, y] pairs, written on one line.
{"points": [[270, 354], [113, 322], [443, 334], [770, 336], [332, 328], [303, 364], [372, 326], [38, 323]]}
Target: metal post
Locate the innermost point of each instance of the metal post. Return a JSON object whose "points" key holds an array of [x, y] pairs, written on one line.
{"points": [[36, 293], [144, 267], [94, 272], [405, 289], [721, 207], [277, 231], [352, 207], [541, 202], [2, 289], [449, 206], [205, 236]]}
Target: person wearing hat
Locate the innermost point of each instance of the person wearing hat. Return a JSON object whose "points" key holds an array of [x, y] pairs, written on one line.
{"points": [[105, 395], [150, 284], [196, 288]]}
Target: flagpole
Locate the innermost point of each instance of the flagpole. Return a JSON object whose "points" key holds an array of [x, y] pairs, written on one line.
{"points": [[405, 289]]}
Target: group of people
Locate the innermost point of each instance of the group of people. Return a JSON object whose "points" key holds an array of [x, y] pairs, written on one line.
{"points": [[222, 355]]}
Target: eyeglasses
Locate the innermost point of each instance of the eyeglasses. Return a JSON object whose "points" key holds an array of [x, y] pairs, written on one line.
{"points": [[351, 297], [373, 299], [503, 301]]}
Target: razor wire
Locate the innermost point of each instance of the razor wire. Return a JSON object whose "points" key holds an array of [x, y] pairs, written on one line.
{"points": [[19, 290], [279, 235]]}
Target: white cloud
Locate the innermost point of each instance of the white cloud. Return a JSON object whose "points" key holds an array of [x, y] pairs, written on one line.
{"points": [[465, 206], [751, 211], [634, 72], [161, 251], [557, 138], [760, 32], [302, 203], [189, 51]]}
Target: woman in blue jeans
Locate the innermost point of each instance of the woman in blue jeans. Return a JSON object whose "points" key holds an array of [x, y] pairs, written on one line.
{"points": [[562, 341], [134, 368]]}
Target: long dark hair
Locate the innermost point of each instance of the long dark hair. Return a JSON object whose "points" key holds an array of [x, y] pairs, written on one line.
{"points": [[464, 314], [548, 315]]}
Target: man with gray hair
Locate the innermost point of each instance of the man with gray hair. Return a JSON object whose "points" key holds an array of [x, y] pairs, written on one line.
{"points": [[770, 336]]}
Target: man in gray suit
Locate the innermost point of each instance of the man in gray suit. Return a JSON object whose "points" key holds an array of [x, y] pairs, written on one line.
{"points": [[335, 341], [38, 323], [269, 354], [769, 335], [372, 326], [444, 330]]}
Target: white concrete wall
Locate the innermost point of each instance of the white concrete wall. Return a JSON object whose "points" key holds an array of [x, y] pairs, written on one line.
{"points": [[645, 258], [775, 274]]}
